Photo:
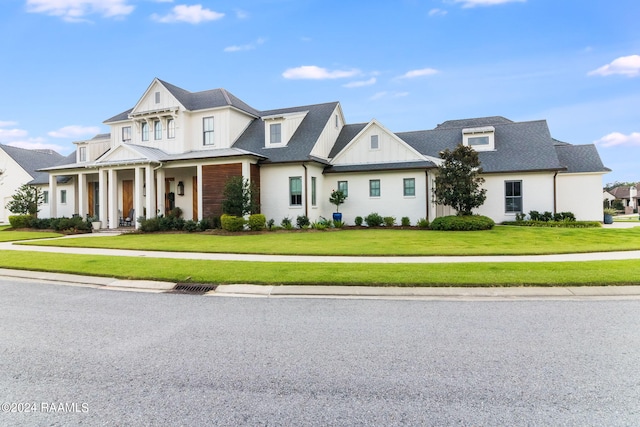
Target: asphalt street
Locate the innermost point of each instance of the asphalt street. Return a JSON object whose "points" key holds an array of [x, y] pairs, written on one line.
{"points": [[85, 356]]}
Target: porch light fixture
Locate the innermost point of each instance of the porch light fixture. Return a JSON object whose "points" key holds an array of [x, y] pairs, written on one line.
{"points": [[180, 188]]}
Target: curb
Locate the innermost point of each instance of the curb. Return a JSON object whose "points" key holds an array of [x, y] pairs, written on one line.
{"points": [[362, 292]]}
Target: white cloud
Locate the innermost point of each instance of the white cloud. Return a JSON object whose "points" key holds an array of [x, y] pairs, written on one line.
{"points": [[7, 123], [8, 135], [313, 72], [626, 65], [615, 139], [74, 131], [385, 94], [361, 83], [437, 12], [239, 48], [418, 73], [474, 3], [76, 10], [190, 14]]}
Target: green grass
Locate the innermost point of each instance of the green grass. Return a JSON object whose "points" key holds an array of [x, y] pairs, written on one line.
{"points": [[502, 240], [279, 273], [7, 235]]}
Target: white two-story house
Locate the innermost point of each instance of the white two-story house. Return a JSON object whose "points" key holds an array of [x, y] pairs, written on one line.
{"points": [[177, 148]]}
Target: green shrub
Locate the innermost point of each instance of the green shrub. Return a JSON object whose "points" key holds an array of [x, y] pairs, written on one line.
{"points": [[338, 224], [318, 225], [257, 222], [286, 223], [232, 222], [271, 223], [358, 221], [389, 221], [20, 221], [405, 221], [150, 225], [373, 220], [41, 223], [190, 226], [559, 224], [70, 225], [462, 223], [534, 215], [423, 223], [302, 221]]}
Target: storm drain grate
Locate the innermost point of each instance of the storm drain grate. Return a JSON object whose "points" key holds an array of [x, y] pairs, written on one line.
{"points": [[193, 288]]}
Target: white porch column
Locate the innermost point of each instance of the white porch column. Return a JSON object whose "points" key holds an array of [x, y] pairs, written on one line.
{"points": [[138, 202], [53, 196], [160, 191], [103, 194], [81, 208], [246, 170], [199, 181], [113, 199], [150, 201]]}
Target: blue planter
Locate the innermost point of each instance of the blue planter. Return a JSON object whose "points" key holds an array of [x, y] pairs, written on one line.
{"points": [[337, 216]]}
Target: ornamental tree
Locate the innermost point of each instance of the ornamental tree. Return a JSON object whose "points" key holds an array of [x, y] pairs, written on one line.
{"points": [[458, 183], [337, 198], [240, 197], [26, 201]]}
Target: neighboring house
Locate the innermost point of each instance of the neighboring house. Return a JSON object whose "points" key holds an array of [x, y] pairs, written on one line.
{"points": [[19, 166], [607, 199], [628, 195], [178, 148]]}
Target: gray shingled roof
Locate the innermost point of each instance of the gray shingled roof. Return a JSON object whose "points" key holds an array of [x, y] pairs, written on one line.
{"points": [[33, 160], [519, 147], [347, 133], [380, 167], [302, 141], [194, 101], [580, 158]]}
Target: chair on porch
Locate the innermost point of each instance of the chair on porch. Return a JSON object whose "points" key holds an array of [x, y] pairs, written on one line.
{"points": [[128, 221]]}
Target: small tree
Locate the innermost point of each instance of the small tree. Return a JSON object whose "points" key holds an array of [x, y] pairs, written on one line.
{"points": [[458, 182], [337, 198], [26, 201], [240, 197]]}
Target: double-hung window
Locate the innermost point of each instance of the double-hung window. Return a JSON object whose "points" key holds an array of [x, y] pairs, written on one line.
{"points": [[126, 134], [344, 187], [171, 129], [207, 129], [45, 197], [314, 198], [295, 191], [82, 154], [275, 131], [63, 196], [157, 129], [409, 187], [374, 188], [513, 196], [145, 131]]}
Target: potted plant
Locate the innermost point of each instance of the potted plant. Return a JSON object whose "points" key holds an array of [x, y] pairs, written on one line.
{"points": [[96, 224], [337, 198], [608, 215]]}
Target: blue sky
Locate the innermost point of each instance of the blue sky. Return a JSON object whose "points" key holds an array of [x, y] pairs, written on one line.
{"points": [[68, 65]]}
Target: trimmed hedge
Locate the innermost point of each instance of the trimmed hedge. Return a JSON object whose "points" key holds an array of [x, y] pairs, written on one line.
{"points": [[462, 223], [257, 222], [20, 221], [232, 222], [559, 224]]}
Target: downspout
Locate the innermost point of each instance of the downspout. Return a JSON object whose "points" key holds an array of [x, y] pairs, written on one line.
{"points": [[426, 174], [306, 204], [555, 193]]}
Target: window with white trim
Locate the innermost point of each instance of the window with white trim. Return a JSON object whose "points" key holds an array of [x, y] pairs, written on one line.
{"points": [[82, 154], [171, 129], [145, 131], [344, 187], [314, 198], [513, 196], [207, 131], [63, 196], [295, 191], [374, 188], [157, 130], [45, 196], [480, 139], [126, 134], [409, 187], [157, 96], [275, 133], [375, 142]]}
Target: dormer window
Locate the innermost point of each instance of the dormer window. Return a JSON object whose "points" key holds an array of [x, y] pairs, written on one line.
{"points": [[480, 139], [375, 142], [157, 95], [82, 154], [275, 133]]}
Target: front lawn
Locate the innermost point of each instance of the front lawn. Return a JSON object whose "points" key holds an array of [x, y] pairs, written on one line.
{"points": [[502, 240], [590, 273]]}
